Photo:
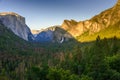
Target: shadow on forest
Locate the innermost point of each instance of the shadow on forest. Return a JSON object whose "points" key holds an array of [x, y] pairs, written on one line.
{"points": [[70, 60], [95, 60], [62, 41]]}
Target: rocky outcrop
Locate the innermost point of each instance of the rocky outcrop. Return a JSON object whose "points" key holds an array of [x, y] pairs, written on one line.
{"points": [[53, 34], [99, 22], [16, 24]]}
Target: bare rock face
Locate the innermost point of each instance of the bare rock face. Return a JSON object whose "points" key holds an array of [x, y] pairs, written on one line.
{"points": [[61, 35], [53, 34], [101, 21], [16, 24]]}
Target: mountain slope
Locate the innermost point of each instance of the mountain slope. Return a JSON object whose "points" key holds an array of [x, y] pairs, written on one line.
{"points": [[16, 24], [99, 22], [72, 60], [109, 32], [13, 52], [11, 43], [53, 34]]}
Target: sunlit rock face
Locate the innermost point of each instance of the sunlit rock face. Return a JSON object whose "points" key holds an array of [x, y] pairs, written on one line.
{"points": [[99, 22], [16, 24]]}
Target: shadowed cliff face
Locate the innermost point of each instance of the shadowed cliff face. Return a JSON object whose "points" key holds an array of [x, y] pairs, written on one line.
{"points": [[16, 24], [97, 23], [53, 34]]}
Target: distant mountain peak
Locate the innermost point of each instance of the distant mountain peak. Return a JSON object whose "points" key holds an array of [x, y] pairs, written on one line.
{"points": [[35, 31]]}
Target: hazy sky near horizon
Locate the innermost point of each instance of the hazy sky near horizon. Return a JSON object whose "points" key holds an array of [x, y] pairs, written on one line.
{"points": [[45, 13]]}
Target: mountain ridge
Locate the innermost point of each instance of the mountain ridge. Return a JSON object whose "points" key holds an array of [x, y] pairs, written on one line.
{"points": [[97, 23], [53, 34], [76, 29], [71, 60]]}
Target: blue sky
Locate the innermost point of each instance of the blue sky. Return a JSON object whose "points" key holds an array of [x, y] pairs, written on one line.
{"points": [[44, 13]]}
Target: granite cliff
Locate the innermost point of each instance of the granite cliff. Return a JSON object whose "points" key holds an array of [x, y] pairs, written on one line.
{"points": [[99, 22], [16, 24]]}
